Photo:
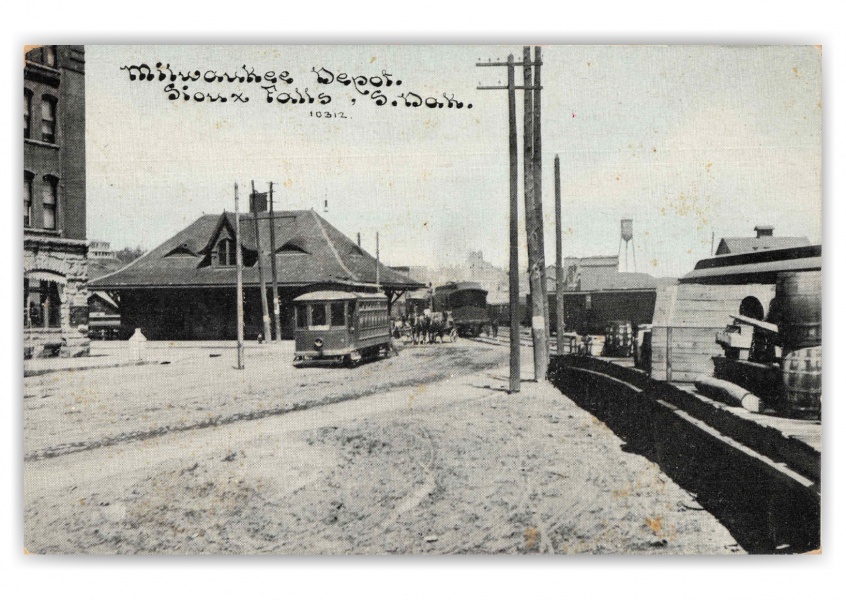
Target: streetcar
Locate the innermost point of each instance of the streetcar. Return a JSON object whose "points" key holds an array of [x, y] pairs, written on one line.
{"points": [[467, 302], [340, 328]]}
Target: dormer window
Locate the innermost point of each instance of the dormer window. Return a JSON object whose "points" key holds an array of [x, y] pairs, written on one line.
{"points": [[226, 256], [292, 248]]}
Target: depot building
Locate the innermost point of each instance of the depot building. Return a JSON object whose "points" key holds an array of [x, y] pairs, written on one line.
{"points": [[185, 289]]}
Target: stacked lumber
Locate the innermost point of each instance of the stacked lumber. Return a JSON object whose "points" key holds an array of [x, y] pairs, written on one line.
{"points": [[687, 319]]}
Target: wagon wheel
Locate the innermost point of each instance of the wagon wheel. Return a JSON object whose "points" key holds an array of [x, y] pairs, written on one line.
{"points": [[453, 335]]}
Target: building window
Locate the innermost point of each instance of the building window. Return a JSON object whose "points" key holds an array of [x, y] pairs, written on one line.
{"points": [[48, 119], [27, 199], [50, 56], [49, 201], [27, 112], [42, 304], [226, 253]]}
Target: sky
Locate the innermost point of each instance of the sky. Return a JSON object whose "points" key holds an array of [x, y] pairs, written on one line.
{"points": [[685, 140]]}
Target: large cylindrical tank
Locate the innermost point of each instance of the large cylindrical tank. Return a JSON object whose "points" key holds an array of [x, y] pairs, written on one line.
{"points": [[802, 376], [626, 230], [799, 300]]}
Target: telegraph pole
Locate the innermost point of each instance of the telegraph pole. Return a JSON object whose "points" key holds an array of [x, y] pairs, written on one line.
{"points": [[265, 317], [239, 283], [277, 324], [513, 234], [534, 224], [537, 161], [559, 268], [513, 268]]}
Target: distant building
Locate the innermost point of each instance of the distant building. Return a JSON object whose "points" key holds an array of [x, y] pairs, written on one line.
{"points": [[185, 288], [763, 240], [55, 250], [98, 249]]}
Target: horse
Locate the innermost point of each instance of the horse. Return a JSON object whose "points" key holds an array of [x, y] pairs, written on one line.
{"points": [[441, 326], [420, 328]]}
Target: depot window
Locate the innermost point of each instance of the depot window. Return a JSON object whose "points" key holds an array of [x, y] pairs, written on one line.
{"points": [[48, 119], [226, 256]]}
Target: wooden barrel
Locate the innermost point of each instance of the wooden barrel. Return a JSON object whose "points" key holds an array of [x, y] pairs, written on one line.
{"points": [[799, 299], [802, 378]]}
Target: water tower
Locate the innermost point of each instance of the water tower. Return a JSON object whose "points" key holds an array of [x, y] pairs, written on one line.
{"points": [[626, 235]]}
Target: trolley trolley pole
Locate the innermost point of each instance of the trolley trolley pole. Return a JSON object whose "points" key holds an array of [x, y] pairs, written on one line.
{"points": [[513, 263]]}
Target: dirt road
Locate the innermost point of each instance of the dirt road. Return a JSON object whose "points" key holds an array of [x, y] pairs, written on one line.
{"points": [[452, 465]]}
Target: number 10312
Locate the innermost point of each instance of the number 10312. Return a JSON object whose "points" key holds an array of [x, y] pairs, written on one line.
{"points": [[325, 114]]}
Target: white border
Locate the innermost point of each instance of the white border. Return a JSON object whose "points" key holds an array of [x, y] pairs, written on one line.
{"points": [[427, 21]]}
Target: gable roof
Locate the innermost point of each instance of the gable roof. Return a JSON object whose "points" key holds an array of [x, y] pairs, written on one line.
{"points": [[327, 256], [738, 245]]}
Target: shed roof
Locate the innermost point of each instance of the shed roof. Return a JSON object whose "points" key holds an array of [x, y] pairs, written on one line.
{"points": [[332, 295], [755, 267], [738, 245], [308, 250]]}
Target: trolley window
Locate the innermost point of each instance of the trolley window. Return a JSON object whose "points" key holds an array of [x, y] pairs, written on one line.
{"points": [[302, 317], [318, 315], [336, 312]]}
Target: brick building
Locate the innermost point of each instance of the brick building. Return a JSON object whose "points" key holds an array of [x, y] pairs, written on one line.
{"points": [[55, 249]]}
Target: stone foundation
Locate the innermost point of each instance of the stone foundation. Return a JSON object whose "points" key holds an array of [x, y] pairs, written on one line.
{"points": [[64, 262]]}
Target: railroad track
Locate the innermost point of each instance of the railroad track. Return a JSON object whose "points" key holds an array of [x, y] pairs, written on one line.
{"points": [[505, 340]]}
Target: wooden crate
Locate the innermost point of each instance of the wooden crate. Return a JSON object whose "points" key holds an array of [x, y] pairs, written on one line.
{"points": [[687, 319]]}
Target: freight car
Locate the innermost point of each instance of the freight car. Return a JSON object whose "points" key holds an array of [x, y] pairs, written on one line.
{"points": [[340, 328]]}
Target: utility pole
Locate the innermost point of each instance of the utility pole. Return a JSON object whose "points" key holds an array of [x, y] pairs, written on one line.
{"points": [[534, 224], [513, 234], [537, 161], [277, 323], [513, 262], [239, 283], [265, 317], [559, 267]]}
